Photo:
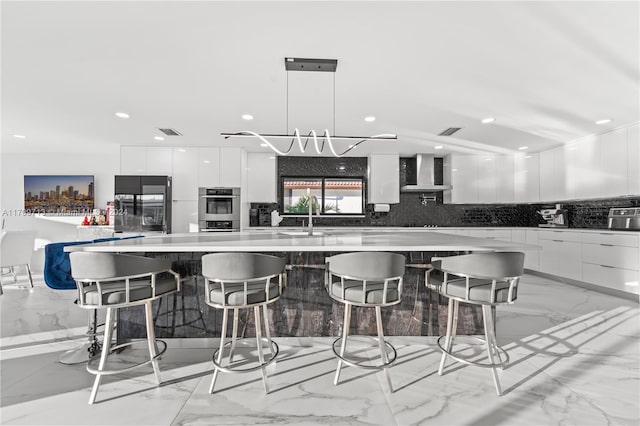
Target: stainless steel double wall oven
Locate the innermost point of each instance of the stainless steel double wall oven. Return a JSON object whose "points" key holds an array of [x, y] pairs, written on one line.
{"points": [[218, 209]]}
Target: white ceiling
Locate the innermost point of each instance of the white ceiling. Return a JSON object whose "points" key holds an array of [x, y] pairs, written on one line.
{"points": [[545, 70]]}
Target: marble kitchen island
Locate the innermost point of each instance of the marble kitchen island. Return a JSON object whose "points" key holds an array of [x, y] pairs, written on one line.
{"points": [[305, 309]]}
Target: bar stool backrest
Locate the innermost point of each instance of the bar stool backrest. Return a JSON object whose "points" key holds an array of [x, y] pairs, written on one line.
{"points": [[371, 269], [243, 274], [16, 248], [91, 269], [496, 266]]}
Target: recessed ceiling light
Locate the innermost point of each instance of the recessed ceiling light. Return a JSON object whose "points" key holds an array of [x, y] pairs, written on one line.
{"points": [[206, 161], [369, 119], [158, 138], [263, 144], [182, 150], [522, 148], [438, 147], [604, 121], [122, 115], [488, 120], [247, 117], [273, 158], [20, 136], [527, 156]]}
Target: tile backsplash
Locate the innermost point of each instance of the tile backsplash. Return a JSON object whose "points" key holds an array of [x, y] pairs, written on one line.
{"points": [[412, 210]]}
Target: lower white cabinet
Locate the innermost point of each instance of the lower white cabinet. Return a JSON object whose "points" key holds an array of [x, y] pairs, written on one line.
{"points": [[184, 216], [612, 260], [528, 236], [561, 253]]}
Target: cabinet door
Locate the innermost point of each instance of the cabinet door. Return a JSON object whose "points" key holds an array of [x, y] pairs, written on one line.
{"points": [[231, 167], [464, 178], [208, 167], [185, 174], [384, 179], [526, 178], [133, 160], [561, 258], [261, 178], [504, 179], [159, 160], [633, 160], [548, 176], [487, 187], [184, 216], [587, 174], [613, 163]]}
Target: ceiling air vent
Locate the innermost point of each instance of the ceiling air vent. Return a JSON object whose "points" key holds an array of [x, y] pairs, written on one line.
{"points": [[449, 131], [170, 132]]}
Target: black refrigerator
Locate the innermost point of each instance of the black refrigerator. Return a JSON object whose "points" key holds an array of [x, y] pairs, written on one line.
{"points": [[142, 204]]}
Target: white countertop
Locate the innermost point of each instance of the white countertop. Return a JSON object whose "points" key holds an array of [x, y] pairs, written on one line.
{"points": [[324, 240]]}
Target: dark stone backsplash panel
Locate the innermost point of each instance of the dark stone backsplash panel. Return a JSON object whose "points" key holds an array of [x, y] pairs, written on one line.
{"points": [[412, 212]]}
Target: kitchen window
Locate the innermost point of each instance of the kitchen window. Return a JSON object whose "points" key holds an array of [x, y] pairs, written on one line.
{"points": [[334, 196]]}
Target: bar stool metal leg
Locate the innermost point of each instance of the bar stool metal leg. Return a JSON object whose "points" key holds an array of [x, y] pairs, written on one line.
{"points": [[106, 346], [486, 315], [343, 344], [151, 340], [267, 330], [223, 334], [447, 339], [256, 313], [381, 343], [234, 334]]}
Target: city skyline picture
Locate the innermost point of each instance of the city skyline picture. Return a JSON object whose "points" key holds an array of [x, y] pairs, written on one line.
{"points": [[63, 194]]}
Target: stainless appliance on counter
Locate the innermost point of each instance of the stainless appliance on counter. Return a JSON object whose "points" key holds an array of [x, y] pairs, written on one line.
{"points": [[556, 218], [625, 218], [142, 204], [218, 209]]}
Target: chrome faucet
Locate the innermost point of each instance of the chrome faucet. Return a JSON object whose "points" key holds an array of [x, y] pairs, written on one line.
{"points": [[313, 201]]}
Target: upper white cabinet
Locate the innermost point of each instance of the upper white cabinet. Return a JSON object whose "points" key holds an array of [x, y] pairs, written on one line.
{"points": [[464, 178], [613, 157], [553, 175], [133, 160], [384, 179], [185, 173], [526, 177], [261, 178], [633, 160], [208, 167], [487, 185], [159, 160], [504, 178], [231, 167]]}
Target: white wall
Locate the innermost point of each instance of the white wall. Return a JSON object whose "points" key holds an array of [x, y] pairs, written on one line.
{"points": [[103, 165]]}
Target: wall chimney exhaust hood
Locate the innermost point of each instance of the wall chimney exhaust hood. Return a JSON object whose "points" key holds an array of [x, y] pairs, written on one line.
{"points": [[425, 176]]}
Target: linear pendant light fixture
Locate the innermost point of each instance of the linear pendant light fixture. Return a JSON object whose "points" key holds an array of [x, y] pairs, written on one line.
{"points": [[319, 141]]}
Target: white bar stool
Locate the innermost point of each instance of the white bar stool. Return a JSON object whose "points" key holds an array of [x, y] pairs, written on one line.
{"points": [[113, 281], [487, 279], [366, 279], [235, 281]]}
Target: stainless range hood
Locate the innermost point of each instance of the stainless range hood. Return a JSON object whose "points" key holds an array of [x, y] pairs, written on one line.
{"points": [[425, 176]]}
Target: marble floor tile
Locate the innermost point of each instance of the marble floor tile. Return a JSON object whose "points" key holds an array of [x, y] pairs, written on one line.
{"points": [[574, 360]]}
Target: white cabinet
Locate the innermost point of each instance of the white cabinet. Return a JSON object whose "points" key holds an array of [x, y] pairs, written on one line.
{"points": [[133, 160], [561, 253], [502, 234], [184, 216], [554, 180], [612, 260], [528, 236], [633, 160], [261, 178], [159, 160], [613, 160], [464, 179], [231, 167], [487, 188], [504, 178], [208, 167], [185, 173], [526, 177], [384, 179]]}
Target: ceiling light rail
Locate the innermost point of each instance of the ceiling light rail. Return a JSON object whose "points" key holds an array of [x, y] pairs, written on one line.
{"points": [[319, 142], [319, 146]]}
